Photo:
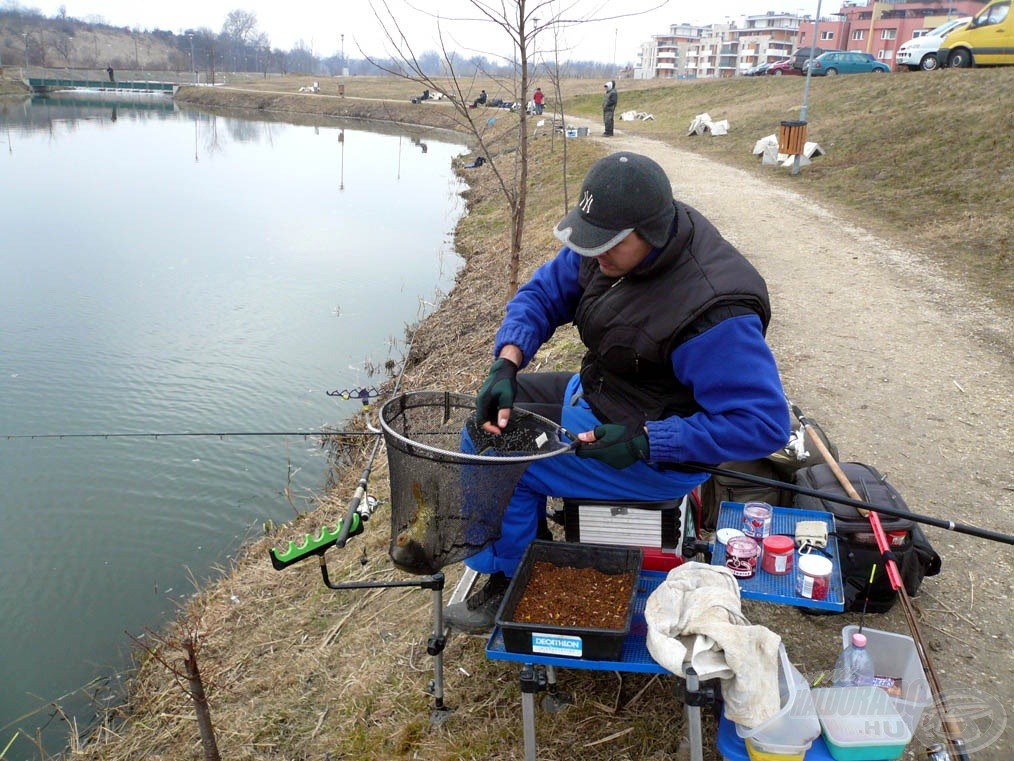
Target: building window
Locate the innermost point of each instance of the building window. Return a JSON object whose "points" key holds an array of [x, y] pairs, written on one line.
{"points": [[885, 55], [920, 33], [827, 36], [858, 34], [888, 34]]}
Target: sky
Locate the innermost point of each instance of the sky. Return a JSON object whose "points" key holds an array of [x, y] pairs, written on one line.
{"points": [[320, 24]]}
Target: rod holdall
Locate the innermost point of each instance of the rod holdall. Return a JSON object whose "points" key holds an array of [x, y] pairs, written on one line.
{"points": [[857, 546]]}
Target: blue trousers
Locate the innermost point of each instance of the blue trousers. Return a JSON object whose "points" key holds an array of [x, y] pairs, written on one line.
{"points": [[557, 396]]}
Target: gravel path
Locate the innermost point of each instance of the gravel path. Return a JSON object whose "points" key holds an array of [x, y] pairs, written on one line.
{"points": [[909, 372]]}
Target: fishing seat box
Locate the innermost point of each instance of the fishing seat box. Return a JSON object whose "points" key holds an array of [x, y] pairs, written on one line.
{"points": [[657, 528]]}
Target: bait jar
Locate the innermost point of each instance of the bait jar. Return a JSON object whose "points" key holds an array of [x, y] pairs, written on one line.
{"points": [[778, 552], [741, 556], [757, 520]]}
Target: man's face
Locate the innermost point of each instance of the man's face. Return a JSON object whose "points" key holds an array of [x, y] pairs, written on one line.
{"points": [[624, 256]]}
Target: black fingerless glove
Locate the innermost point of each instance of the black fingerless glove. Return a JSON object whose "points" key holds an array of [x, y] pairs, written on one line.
{"points": [[498, 391], [616, 445]]}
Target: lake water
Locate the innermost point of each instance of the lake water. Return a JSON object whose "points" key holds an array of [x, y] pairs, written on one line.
{"points": [[171, 271]]}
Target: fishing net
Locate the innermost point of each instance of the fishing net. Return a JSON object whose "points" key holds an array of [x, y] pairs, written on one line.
{"points": [[446, 503]]}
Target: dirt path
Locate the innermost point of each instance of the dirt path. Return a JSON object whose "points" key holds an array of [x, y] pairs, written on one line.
{"points": [[908, 372]]}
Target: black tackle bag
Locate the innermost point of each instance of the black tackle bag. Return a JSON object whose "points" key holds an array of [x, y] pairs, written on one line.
{"points": [[857, 546]]}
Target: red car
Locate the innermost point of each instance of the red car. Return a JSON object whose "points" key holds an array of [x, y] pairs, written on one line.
{"points": [[783, 67]]}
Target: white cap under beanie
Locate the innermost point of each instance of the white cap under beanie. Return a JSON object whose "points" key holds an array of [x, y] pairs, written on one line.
{"points": [[621, 193]]}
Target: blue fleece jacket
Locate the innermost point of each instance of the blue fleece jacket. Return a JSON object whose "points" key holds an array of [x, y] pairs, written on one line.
{"points": [[743, 415]]}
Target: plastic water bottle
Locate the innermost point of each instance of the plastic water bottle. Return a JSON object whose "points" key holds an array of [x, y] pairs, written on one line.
{"points": [[854, 667]]}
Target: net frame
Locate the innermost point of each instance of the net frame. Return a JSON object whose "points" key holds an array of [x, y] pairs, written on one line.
{"points": [[447, 504]]}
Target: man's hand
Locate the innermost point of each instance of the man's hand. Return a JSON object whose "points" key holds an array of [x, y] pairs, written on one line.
{"points": [[496, 397], [614, 444]]}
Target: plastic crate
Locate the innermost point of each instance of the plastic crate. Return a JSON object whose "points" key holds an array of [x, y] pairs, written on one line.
{"points": [[895, 655], [572, 642], [861, 724]]}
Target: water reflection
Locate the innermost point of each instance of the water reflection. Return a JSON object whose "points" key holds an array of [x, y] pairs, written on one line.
{"points": [[182, 271]]}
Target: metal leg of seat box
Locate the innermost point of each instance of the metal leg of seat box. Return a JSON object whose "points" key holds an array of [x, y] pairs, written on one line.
{"points": [[695, 695], [533, 679]]}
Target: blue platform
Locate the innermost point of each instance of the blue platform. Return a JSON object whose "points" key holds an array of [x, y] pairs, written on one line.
{"points": [[781, 589]]}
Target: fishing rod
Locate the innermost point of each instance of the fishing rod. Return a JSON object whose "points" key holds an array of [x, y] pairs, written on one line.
{"points": [[952, 730], [862, 506], [165, 435]]}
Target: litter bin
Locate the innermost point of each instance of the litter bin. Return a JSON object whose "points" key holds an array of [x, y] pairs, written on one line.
{"points": [[792, 137], [341, 89]]}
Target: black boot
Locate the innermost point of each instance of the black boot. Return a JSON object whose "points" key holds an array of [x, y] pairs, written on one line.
{"points": [[477, 614]]}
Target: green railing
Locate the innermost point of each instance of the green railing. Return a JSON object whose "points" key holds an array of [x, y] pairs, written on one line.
{"points": [[57, 83]]}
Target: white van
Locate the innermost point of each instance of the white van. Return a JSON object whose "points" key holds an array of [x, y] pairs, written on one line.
{"points": [[921, 52]]}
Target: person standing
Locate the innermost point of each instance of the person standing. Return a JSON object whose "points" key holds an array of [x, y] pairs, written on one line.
{"points": [[538, 97], [677, 368], [609, 107], [109, 71]]}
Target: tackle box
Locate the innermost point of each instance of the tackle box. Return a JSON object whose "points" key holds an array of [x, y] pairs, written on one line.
{"points": [[589, 642]]}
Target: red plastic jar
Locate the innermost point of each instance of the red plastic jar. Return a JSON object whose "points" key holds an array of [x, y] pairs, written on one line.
{"points": [[778, 552]]}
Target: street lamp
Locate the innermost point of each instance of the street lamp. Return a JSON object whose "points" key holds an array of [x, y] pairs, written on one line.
{"points": [[191, 37], [26, 54]]}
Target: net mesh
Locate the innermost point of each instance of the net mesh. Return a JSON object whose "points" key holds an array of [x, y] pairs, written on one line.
{"points": [[449, 491]]}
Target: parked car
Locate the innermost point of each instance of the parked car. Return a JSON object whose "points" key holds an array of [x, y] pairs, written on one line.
{"points": [[921, 52], [802, 55], [784, 66], [757, 71], [986, 40], [848, 62]]}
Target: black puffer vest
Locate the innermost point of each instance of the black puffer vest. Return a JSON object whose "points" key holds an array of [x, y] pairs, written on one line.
{"points": [[632, 324]]}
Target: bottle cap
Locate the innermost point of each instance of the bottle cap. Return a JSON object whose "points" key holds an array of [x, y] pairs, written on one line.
{"points": [[859, 640]]}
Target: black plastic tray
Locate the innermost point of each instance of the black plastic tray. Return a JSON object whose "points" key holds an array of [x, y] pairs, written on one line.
{"points": [[571, 642]]}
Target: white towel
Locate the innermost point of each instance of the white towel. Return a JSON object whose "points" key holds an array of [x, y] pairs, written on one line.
{"points": [[694, 618]]}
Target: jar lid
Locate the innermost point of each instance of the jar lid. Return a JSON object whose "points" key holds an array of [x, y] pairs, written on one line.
{"points": [[743, 546], [725, 534], [778, 544], [815, 565]]}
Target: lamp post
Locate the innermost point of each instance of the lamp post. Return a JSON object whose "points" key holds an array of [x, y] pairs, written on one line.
{"points": [[192, 69], [344, 67], [26, 54], [806, 87]]}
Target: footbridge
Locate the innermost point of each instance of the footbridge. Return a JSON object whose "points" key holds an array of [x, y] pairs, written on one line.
{"points": [[52, 84]]}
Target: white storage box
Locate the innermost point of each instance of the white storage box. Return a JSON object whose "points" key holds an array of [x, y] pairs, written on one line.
{"points": [[794, 728], [895, 655]]}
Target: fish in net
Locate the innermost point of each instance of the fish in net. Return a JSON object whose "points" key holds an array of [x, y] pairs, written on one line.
{"points": [[450, 480]]}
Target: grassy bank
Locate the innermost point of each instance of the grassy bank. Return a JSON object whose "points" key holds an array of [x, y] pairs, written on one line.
{"points": [[297, 671]]}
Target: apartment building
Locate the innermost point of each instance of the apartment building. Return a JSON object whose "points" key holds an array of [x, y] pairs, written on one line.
{"points": [[726, 49]]}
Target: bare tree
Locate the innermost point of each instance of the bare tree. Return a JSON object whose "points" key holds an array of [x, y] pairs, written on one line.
{"points": [[519, 21], [185, 638], [240, 26]]}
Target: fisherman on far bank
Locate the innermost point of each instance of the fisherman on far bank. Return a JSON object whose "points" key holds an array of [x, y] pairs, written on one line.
{"points": [[109, 71]]}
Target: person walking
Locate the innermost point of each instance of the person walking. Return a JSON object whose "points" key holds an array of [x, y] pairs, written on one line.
{"points": [[677, 368], [538, 98], [609, 107]]}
